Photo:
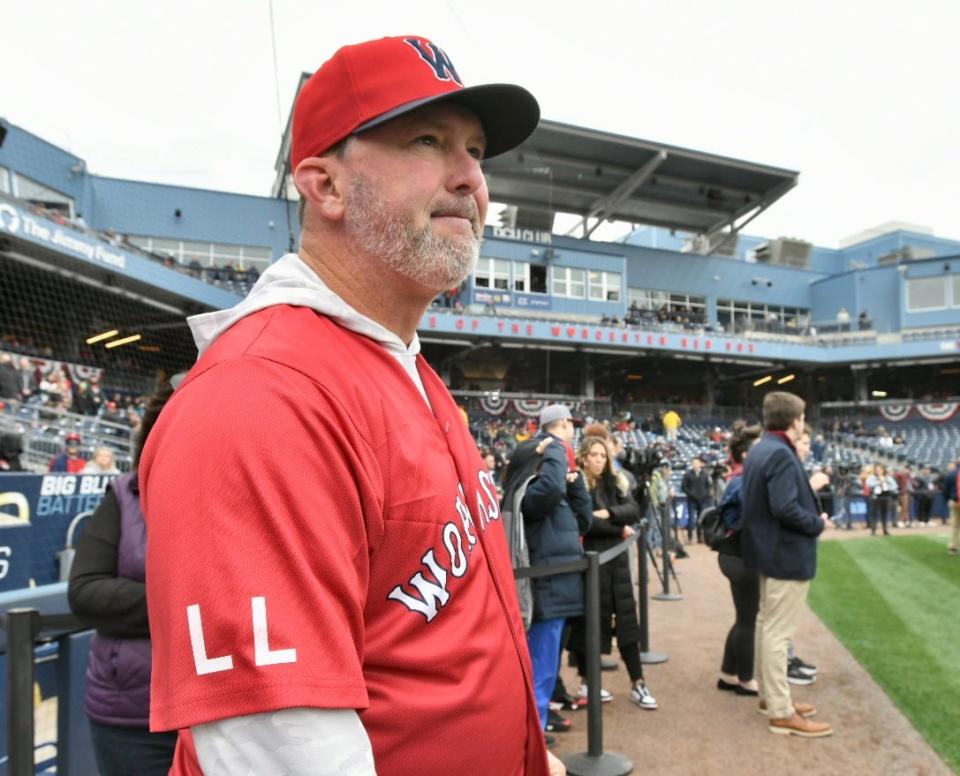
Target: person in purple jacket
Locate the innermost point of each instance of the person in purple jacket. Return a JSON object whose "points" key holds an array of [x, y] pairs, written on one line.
{"points": [[107, 592]]}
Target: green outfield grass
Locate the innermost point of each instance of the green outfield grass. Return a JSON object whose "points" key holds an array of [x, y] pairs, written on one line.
{"points": [[894, 602]]}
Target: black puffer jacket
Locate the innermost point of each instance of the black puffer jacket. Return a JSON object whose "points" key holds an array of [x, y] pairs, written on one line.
{"points": [[616, 586], [555, 514]]}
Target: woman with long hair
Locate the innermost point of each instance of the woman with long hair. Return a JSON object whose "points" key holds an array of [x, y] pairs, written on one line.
{"points": [[736, 670], [614, 515]]}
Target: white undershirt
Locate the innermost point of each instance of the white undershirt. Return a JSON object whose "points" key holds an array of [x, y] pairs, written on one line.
{"points": [[291, 742]]}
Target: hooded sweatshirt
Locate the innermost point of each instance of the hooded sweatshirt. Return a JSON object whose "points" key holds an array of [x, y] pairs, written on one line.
{"points": [[290, 281]]}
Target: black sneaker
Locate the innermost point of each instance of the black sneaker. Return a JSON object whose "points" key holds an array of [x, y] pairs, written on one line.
{"points": [[567, 702], [805, 668], [796, 676], [556, 723]]}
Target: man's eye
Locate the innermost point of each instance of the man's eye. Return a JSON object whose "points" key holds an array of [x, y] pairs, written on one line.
{"points": [[428, 140], [477, 153]]}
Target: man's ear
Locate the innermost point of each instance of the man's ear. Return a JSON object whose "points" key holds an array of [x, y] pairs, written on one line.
{"points": [[321, 181]]}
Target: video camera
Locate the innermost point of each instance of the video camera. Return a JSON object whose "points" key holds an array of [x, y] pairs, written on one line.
{"points": [[642, 463]]}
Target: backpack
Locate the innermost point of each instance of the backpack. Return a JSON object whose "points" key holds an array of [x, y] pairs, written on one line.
{"points": [[713, 527], [523, 469], [517, 543]]}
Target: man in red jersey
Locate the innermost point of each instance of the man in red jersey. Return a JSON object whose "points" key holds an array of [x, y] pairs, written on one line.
{"points": [[69, 460], [329, 586]]}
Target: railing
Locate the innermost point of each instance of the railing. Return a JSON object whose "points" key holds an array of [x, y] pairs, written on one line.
{"points": [[595, 761], [42, 615]]}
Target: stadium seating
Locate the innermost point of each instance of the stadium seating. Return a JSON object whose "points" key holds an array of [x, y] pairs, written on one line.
{"points": [[932, 444], [42, 431]]}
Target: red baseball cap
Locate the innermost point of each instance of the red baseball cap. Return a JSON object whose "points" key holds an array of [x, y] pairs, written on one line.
{"points": [[365, 85]]}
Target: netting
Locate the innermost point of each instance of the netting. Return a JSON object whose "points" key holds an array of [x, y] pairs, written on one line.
{"points": [[55, 384], [61, 382]]}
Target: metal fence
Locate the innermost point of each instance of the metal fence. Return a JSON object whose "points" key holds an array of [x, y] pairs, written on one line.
{"points": [[36, 627], [44, 650]]}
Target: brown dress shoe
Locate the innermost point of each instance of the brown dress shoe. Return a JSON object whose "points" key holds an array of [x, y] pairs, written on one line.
{"points": [[805, 710], [798, 726]]}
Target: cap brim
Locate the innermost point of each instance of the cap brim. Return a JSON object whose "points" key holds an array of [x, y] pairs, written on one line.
{"points": [[508, 113]]}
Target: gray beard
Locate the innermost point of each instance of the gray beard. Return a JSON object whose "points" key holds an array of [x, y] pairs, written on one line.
{"points": [[439, 263]]}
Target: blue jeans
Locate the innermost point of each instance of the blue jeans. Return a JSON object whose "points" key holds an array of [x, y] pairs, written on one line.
{"points": [[543, 639], [842, 509], [131, 751]]}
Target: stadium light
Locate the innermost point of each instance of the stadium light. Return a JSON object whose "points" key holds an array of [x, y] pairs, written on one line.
{"points": [[786, 379], [762, 381], [878, 394], [124, 341], [105, 335]]}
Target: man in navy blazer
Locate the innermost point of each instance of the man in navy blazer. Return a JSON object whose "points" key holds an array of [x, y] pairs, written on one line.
{"points": [[779, 540]]}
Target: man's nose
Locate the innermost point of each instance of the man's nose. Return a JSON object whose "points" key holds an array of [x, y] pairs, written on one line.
{"points": [[465, 176]]}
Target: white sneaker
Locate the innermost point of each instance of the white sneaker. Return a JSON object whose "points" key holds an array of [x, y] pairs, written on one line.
{"points": [[642, 697], [605, 697]]}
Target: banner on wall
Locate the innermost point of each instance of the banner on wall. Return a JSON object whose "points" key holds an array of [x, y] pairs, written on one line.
{"points": [[36, 511], [895, 412], [45, 365], [493, 405], [530, 407], [22, 223], [502, 298], [936, 412], [533, 301]]}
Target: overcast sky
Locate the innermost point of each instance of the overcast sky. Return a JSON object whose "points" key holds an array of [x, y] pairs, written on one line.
{"points": [[864, 102]]}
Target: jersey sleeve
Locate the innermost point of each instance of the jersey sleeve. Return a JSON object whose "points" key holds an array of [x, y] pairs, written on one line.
{"points": [[263, 503]]}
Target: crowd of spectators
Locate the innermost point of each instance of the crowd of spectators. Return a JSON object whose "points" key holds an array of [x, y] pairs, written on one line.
{"points": [[451, 299], [857, 428], [56, 389], [682, 317], [676, 315], [906, 494]]}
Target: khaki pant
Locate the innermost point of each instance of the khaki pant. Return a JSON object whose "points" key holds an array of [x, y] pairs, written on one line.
{"points": [[781, 602], [954, 524]]}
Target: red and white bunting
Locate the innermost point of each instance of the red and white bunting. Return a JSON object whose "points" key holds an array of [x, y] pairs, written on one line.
{"points": [[45, 365], [938, 412], [895, 412], [493, 405], [529, 407]]}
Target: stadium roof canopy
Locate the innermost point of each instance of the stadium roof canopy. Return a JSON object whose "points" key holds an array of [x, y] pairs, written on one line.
{"points": [[602, 176]]}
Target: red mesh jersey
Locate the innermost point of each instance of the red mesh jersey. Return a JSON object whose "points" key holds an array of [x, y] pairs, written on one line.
{"points": [[316, 537]]}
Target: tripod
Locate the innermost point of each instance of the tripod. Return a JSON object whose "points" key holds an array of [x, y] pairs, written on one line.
{"points": [[662, 528]]}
